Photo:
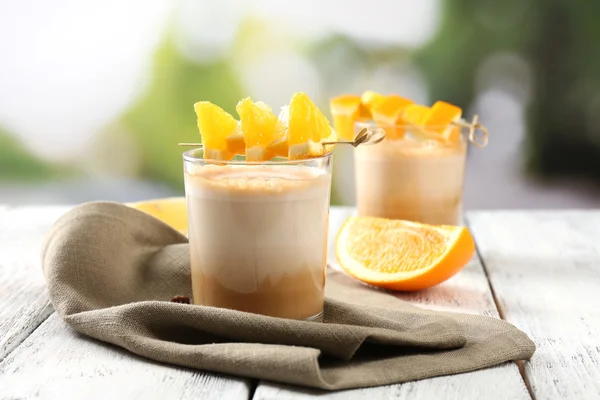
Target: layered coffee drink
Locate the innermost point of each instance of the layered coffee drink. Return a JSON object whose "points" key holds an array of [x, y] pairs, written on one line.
{"points": [[258, 236], [410, 179], [417, 172]]}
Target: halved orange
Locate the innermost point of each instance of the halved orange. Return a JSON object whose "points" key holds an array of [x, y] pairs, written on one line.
{"points": [[171, 210], [388, 114], [345, 110], [215, 126], [402, 255]]}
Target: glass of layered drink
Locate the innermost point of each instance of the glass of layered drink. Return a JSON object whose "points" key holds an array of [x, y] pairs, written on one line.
{"points": [[258, 233], [408, 176]]}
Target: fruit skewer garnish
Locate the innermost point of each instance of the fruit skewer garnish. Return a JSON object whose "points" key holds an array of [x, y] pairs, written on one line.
{"points": [[397, 115], [365, 136], [300, 131], [478, 140]]}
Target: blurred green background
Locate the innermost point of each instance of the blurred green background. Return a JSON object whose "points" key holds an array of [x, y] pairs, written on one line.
{"points": [[94, 98]]}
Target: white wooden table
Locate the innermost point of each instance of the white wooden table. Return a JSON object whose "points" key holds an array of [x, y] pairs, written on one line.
{"points": [[539, 270]]}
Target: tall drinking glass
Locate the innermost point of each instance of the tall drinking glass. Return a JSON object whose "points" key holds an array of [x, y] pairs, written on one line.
{"points": [[258, 233], [409, 177]]}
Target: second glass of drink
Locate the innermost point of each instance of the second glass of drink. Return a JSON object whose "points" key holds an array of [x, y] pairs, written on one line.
{"points": [[410, 177]]}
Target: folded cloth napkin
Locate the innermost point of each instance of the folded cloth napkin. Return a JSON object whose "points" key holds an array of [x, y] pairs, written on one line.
{"points": [[112, 271]]}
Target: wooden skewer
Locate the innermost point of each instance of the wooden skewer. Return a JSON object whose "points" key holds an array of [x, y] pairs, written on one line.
{"points": [[376, 135], [474, 126], [365, 136]]}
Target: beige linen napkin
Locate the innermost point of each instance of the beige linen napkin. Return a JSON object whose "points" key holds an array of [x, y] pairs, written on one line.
{"points": [[111, 271]]}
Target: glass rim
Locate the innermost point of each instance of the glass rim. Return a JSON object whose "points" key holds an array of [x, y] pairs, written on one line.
{"points": [[432, 130], [373, 124], [190, 157]]}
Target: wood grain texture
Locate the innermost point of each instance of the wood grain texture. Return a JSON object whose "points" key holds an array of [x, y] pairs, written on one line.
{"points": [[544, 268], [54, 362], [467, 292], [24, 301], [492, 383]]}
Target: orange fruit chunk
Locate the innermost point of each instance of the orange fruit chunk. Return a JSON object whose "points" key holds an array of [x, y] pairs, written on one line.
{"points": [[172, 211], [389, 115], [215, 125], [345, 110], [307, 127], [370, 100], [440, 120], [402, 255], [415, 114], [235, 142], [279, 147], [259, 127]]}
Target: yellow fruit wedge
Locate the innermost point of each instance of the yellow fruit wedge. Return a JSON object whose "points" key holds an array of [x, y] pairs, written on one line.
{"points": [[333, 137], [439, 122], [235, 142], [402, 255], [172, 211], [370, 100], [307, 128], [435, 122], [215, 126], [279, 147], [388, 115], [415, 114], [345, 110], [260, 128]]}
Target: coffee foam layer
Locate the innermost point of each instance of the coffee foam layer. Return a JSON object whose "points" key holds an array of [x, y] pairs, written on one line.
{"points": [[255, 182], [411, 149]]}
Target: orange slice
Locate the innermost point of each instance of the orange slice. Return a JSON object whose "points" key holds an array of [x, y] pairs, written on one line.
{"points": [[307, 128], [345, 110], [402, 255], [279, 147], [389, 115], [215, 126], [370, 100], [259, 127], [415, 114], [172, 211], [440, 120], [235, 142]]}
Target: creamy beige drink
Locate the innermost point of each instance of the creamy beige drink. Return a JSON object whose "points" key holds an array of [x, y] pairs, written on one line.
{"points": [[413, 180], [258, 237]]}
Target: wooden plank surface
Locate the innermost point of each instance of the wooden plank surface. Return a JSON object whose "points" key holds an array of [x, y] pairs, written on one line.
{"points": [[544, 268], [24, 301], [57, 363], [467, 292], [41, 357]]}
